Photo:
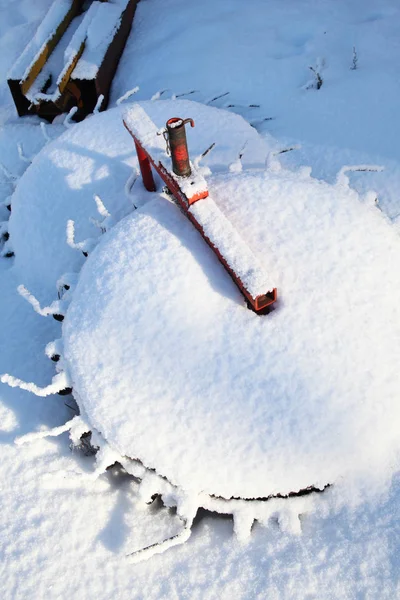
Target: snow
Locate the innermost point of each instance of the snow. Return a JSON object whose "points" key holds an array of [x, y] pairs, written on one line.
{"points": [[263, 416], [237, 254], [80, 164], [60, 381], [45, 32], [140, 125], [353, 113], [59, 61], [127, 95], [89, 34], [100, 33], [64, 532]]}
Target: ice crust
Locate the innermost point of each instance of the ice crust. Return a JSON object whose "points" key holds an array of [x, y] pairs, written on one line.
{"points": [[174, 370]]}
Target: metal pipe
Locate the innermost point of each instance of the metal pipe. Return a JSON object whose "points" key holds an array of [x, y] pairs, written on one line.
{"points": [[178, 145]]}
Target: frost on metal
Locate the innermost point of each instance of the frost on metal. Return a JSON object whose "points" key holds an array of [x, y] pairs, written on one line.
{"points": [[85, 246], [59, 383]]}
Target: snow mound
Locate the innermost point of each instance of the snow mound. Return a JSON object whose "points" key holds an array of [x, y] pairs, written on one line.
{"points": [[97, 157], [173, 369]]}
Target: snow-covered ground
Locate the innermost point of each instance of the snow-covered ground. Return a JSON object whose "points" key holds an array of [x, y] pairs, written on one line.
{"points": [[66, 534]]}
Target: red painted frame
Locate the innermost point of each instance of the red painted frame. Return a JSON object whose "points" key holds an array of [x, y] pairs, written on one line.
{"points": [[260, 304]]}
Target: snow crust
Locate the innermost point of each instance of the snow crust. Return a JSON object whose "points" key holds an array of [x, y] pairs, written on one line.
{"points": [[174, 370], [64, 533]]}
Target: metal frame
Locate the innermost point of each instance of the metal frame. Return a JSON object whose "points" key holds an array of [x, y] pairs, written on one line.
{"points": [[261, 304]]}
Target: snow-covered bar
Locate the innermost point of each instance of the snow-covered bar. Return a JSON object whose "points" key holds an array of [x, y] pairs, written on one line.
{"points": [[32, 60], [192, 195], [51, 29], [139, 125], [230, 245]]}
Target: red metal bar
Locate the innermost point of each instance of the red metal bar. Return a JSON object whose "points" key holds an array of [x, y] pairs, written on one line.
{"points": [[145, 168]]}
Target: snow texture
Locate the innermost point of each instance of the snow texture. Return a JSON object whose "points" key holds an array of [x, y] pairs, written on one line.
{"points": [[235, 251], [173, 369], [140, 124], [59, 62], [97, 157], [64, 533], [93, 32]]}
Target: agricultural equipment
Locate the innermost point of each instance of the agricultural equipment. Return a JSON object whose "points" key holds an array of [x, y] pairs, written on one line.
{"points": [[72, 58], [189, 189]]}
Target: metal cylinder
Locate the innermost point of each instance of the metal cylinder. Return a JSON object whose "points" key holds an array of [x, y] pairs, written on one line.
{"points": [[178, 145]]}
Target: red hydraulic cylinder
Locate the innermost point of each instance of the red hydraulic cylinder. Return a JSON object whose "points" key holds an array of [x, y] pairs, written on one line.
{"points": [[178, 145]]}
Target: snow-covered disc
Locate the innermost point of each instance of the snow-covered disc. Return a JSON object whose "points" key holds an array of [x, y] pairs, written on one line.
{"points": [[174, 370]]}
